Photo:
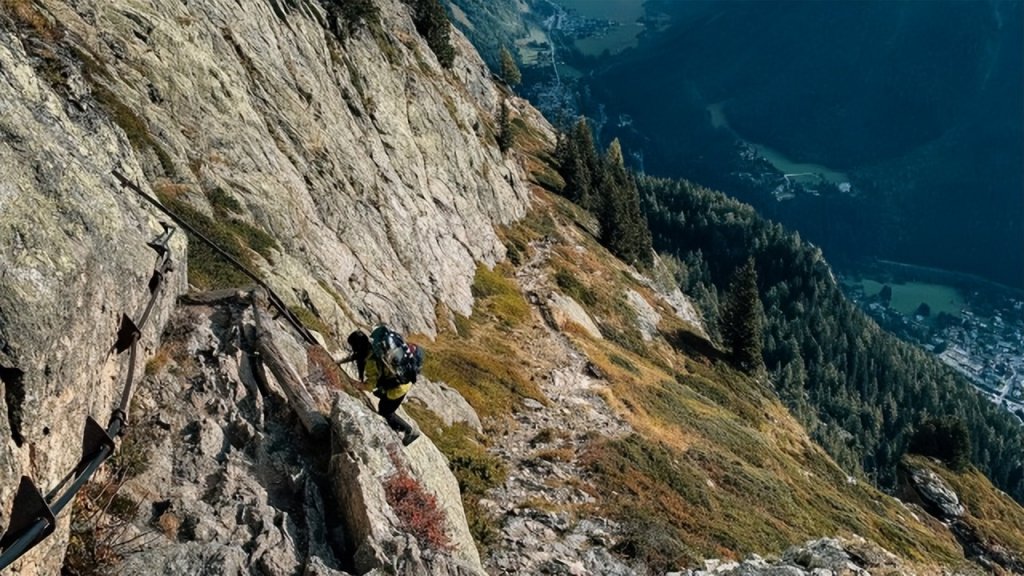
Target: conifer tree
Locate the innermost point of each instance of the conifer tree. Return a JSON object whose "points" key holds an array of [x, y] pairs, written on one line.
{"points": [[509, 70], [742, 321], [432, 23], [586, 165], [944, 438], [623, 226], [504, 128], [611, 211], [573, 164]]}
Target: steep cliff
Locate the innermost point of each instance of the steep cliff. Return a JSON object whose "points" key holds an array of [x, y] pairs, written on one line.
{"points": [[74, 259], [371, 169]]}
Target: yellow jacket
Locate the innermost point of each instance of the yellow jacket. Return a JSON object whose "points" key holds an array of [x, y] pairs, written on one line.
{"points": [[398, 391], [378, 372]]}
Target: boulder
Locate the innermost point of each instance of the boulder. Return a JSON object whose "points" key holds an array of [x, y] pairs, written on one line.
{"points": [[937, 496], [446, 402], [366, 453], [561, 310]]}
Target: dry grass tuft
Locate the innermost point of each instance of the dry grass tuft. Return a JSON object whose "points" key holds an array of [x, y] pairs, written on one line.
{"points": [[169, 524], [27, 15]]}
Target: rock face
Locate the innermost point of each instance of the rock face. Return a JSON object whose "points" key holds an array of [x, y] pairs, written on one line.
{"points": [[73, 259], [374, 169]]}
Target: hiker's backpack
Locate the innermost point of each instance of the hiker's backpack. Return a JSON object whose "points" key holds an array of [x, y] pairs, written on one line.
{"points": [[401, 360]]}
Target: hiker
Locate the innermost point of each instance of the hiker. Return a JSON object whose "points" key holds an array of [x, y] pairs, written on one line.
{"points": [[397, 363]]}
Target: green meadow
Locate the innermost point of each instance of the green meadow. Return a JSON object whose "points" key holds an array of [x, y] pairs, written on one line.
{"points": [[908, 296]]}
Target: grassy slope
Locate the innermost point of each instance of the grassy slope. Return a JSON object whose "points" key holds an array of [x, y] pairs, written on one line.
{"points": [[716, 466]]}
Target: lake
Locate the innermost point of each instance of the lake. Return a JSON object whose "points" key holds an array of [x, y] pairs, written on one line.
{"points": [[799, 171]]}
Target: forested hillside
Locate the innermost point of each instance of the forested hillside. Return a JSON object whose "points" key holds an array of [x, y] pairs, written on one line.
{"points": [[861, 392]]}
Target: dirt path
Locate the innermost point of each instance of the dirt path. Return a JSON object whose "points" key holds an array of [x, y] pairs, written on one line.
{"points": [[543, 501]]}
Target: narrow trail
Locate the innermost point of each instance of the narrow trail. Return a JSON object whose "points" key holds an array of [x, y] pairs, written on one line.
{"points": [[542, 503]]}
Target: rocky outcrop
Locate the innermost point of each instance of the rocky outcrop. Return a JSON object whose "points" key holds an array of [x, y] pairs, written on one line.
{"points": [[647, 317], [561, 311], [229, 483], [669, 292], [827, 556], [365, 456], [446, 402], [232, 482], [923, 486]]}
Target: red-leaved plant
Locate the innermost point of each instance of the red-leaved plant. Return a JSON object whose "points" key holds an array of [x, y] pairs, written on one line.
{"points": [[418, 511]]}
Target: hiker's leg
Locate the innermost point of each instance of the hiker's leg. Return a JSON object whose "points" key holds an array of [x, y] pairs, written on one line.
{"points": [[387, 408]]}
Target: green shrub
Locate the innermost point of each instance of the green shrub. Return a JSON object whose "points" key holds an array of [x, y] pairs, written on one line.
{"points": [[500, 297], [255, 238], [623, 362], [463, 325], [133, 126], [354, 12], [207, 269], [629, 337], [311, 321], [489, 282], [223, 202], [548, 179], [649, 538], [492, 386], [575, 289]]}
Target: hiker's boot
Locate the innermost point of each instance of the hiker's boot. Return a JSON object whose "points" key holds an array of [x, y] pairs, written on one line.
{"points": [[409, 437]]}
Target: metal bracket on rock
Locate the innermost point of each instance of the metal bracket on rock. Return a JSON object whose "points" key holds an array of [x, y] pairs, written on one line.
{"points": [[160, 242], [163, 250], [31, 521], [94, 438], [127, 334]]}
